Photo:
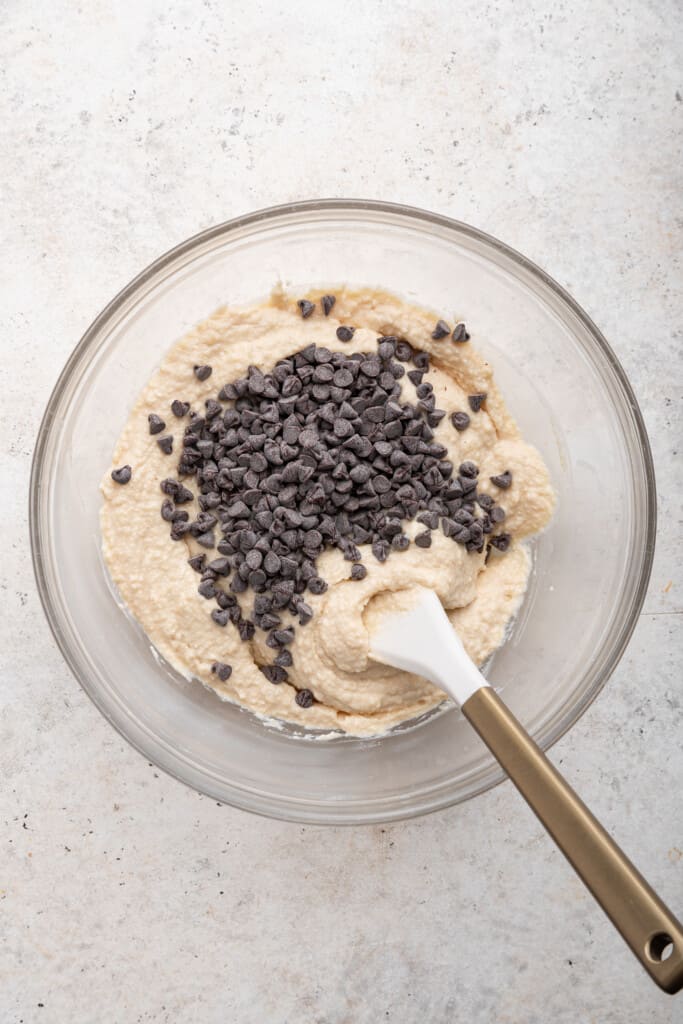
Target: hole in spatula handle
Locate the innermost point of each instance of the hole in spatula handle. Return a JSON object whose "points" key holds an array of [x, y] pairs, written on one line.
{"points": [[660, 947]]}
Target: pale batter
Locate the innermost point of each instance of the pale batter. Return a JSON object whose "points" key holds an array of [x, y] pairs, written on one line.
{"points": [[330, 653]]}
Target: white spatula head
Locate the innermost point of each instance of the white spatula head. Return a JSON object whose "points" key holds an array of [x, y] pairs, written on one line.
{"points": [[420, 639]]}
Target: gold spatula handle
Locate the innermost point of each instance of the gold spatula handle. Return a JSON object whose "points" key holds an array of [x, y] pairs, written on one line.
{"points": [[647, 925]]}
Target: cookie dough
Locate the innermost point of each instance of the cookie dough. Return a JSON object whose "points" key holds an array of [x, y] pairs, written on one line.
{"points": [[330, 653]]}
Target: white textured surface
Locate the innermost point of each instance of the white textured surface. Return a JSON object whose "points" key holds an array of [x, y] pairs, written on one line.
{"points": [[557, 127]]}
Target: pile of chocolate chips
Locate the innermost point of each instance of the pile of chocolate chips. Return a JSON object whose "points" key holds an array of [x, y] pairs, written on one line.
{"points": [[321, 452]]}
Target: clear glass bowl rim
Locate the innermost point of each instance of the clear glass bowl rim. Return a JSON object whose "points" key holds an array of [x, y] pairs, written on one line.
{"points": [[157, 753]]}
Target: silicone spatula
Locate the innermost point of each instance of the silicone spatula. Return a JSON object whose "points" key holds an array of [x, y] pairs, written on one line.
{"points": [[421, 640]]}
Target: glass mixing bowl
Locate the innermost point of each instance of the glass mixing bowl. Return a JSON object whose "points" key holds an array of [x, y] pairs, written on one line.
{"points": [[571, 399]]}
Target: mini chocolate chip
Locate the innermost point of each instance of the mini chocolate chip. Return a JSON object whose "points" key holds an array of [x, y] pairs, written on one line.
{"points": [[424, 539], [375, 414], [371, 367], [179, 408], [257, 579], [386, 349], [237, 510], [313, 539], [274, 673], [469, 469], [262, 604], [305, 307], [246, 629], [207, 589], [308, 438], [220, 616], [429, 519], [122, 475], [460, 332], [222, 670], [167, 510], [166, 444], [358, 571], [197, 562], [305, 612], [343, 378], [404, 352], [316, 585], [400, 542], [323, 374], [441, 330], [450, 528], [476, 401], [503, 480], [206, 539], [254, 559], [342, 429], [272, 563], [327, 302], [501, 542], [351, 552], [460, 421], [288, 566], [283, 636], [361, 473], [156, 424], [304, 698], [205, 448], [179, 529], [221, 566], [345, 333], [496, 514], [380, 549], [202, 372], [213, 408]]}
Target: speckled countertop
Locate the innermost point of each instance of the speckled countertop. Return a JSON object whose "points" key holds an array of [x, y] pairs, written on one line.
{"points": [[125, 897]]}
